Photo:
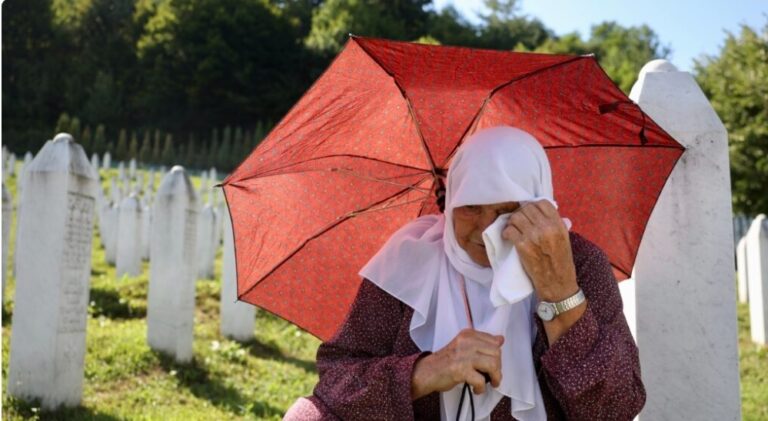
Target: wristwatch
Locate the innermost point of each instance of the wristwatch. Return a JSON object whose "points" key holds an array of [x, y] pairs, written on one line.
{"points": [[548, 311]]}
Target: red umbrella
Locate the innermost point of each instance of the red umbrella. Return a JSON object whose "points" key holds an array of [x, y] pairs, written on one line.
{"points": [[361, 153]]}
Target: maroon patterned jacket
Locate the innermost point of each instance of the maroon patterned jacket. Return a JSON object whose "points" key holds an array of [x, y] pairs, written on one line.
{"points": [[591, 373]]}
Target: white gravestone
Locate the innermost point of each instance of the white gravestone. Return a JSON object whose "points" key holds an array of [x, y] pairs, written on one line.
{"points": [[742, 270], [11, 165], [95, 161], [146, 221], [206, 248], [121, 171], [132, 168], [683, 291], [115, 192], [238, 319], [109, 218], [106, 161], [203, 193], [171, 301], [757, 269], [7, 218], [129, 238], [221, 206], [51, 301]]}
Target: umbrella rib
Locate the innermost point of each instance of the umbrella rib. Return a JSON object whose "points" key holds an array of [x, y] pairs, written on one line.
{"points": [[614, 145], [424, 145], [316, 235], [267, 173], [476, 118], [352, 173]]}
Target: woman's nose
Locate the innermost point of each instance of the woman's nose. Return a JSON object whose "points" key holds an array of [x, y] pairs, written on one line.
{"points": [[486, 219]]}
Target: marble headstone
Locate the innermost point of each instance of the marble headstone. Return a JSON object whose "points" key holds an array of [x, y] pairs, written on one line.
{"points": [[742, 270], [132, 168], [146, 220], [684, 289], [109, 215], [206, 237], [52, 288], [95, 161], [238, 319], [107, 160], [129, 237], [757, 276], [171, 301], [7, 218]]}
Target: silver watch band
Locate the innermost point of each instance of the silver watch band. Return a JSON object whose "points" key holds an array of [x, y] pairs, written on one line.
{"points": [[569, 303]]}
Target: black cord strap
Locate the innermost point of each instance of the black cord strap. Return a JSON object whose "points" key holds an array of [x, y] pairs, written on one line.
{"points": [[464, 391]]}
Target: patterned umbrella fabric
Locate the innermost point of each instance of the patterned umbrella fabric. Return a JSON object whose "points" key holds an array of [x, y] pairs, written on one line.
{"points": [[363, 150]]}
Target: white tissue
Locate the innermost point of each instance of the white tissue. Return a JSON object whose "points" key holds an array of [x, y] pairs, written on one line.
{"points": [[510, 282]]}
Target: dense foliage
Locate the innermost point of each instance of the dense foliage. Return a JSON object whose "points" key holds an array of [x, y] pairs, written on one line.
{"points": [[151, 78], [736, 82]]}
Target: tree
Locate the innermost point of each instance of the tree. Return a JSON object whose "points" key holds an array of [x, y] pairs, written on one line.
{"points": [[121, 152], [156, 152], [100, 140], [86, 140], [74, 128], [450, 28], [133, 147], [736, 83], [621, 51], [505, 30], [215, 62], [334, 20], [167, 156], [224, 154], [62, 124], [145, 153]]}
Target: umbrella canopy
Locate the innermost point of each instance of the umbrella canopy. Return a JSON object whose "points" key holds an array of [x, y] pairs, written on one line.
{"points": [[362, 151]]}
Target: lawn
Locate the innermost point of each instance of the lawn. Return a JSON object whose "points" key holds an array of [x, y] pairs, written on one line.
{"points": [[124, 379]]}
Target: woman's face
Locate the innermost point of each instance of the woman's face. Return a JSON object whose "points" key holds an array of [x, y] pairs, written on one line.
{"points": [[470, 221]]}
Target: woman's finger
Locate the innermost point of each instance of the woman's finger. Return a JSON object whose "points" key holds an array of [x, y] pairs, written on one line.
{"points": [[490, 366], [476, 380]]}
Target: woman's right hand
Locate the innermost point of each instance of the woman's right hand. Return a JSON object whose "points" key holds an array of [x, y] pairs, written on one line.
{"points": [[470, 354]]}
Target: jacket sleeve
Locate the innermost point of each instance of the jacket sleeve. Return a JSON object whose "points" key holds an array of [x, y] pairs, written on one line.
{"points": [[593, 369], [360, 378]]}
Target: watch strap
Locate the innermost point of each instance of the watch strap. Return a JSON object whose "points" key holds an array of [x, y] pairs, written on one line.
{"points": [[569, 303]]}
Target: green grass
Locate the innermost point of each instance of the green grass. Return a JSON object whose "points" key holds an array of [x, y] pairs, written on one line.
{"points": [[260, 379]]}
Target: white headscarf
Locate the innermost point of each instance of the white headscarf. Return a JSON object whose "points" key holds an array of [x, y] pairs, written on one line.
{"points": [[422, 263]]}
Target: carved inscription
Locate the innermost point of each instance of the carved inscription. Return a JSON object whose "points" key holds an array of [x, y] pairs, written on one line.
{"points": [[76, 258], [190, 236]]}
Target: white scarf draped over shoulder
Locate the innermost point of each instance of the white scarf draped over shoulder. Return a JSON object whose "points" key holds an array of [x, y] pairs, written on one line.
{"points": [[422, 264]]}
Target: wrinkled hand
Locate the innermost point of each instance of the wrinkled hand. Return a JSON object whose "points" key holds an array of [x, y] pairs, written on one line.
{"points": [[541, 239], [470, 354]]}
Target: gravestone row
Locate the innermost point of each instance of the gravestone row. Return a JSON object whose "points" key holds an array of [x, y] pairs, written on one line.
{"points": [[61, 201]]}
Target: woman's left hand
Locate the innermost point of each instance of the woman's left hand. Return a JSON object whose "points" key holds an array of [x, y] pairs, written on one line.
{"points": [[541, 239]]}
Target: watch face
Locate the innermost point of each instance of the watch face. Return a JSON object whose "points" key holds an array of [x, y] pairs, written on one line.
{"points": [[546, 312]]}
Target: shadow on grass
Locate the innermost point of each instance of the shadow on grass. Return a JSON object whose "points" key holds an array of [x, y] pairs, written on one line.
{"points": [[7, 316], [108, 303], [31, 410], [196, 378], [265, 410], [270, 351]]}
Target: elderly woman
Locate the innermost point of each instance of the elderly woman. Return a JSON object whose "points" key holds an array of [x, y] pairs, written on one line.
{"points": [[495, 295]]}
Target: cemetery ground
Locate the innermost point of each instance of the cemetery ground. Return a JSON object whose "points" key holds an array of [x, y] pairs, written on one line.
{"points": [[258, 379]]}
